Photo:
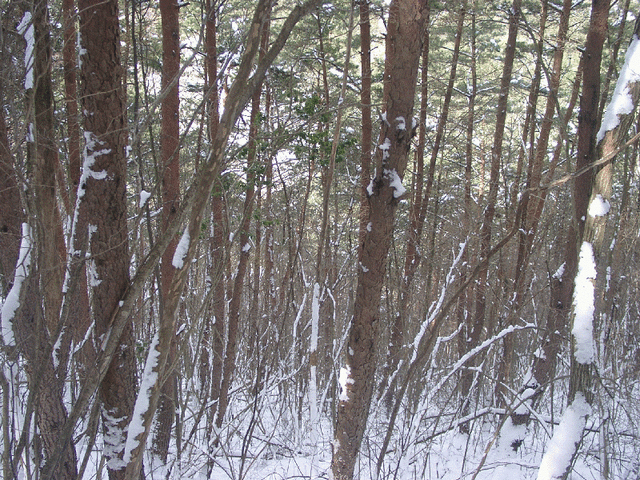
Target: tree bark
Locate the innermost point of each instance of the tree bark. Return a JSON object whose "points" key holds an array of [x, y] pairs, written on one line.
{"points": [[170, 148], [105, 206], [403, 48]]}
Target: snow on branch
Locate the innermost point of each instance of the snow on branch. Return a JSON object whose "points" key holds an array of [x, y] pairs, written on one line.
{"points": [[12, 302], [565, 440], [435, 309], [622, 100]]}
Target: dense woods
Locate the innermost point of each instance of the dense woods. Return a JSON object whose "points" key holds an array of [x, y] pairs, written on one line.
{"points": [[358, 239]]}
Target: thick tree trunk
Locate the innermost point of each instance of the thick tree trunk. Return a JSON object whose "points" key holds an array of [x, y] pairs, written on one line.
{"points": [[403, 48], [104, 204], [365, 107], [40, 321]]}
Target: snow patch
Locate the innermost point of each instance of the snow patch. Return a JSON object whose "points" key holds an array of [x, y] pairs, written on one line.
{"points": [[584, 306], [144, 196], [181, 250], [114, 437], [560, 272], [370, 188], [25, 28], [149, 377], [402, 123], [395, 182], [599, 206], [345, 380]]}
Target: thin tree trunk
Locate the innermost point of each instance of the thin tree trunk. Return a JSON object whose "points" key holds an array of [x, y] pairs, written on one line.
{"points": [[11, 215], [170, 148], [496, 156], [244, 245], [535, 201], [462, 311]]}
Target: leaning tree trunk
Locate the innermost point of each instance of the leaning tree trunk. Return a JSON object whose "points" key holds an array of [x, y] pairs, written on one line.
{"points": [[403, 48]]}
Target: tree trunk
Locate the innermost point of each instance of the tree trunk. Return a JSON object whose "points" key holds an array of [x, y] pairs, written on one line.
{"points": [[496, 156], [245, 247], [403, 48], [170, 147], [535, 202], [104, 203]]}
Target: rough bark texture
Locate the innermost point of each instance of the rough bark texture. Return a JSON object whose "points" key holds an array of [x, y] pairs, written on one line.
{"points": [[105, 207], [39, 322], [403, 48], [10, 211], [365, 107]]}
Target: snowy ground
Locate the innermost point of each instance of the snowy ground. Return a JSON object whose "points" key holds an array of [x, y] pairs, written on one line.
{"points": [[279, 449]]}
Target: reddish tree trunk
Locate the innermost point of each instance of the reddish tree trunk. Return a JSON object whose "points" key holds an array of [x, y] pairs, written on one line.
{"points": [[105, 206], [170, 147], [403, 48]]}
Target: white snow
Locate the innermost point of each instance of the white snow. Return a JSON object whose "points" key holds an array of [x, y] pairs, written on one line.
{"points": [[622, 101], [370, 188], [90, 154], [385, 146], [402, 123], [181, 250], [144, 196], [599, 206], [565, 439], [395, 182], [149, 377], [315, 317], [25, 28], [584, 306], [114, 440], [560, 272], [12, 302], [246, 247], [369, 226], [344, 380]]}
